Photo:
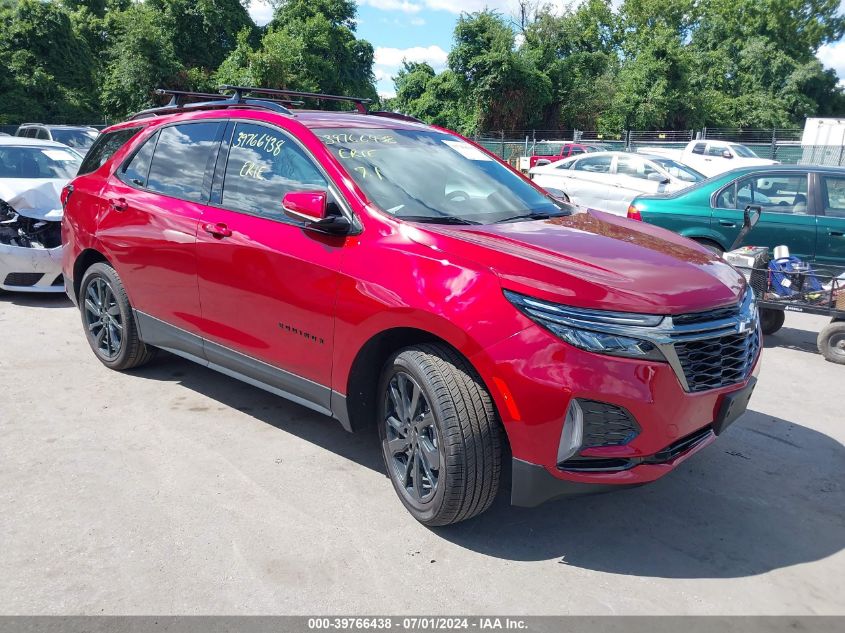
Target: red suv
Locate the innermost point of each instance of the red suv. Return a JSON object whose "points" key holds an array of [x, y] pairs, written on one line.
{"points": [[390, 273]]}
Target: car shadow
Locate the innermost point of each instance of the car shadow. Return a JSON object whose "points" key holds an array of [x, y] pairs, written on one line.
{"points": [[36, 299], [768, 494], [793, 338]]}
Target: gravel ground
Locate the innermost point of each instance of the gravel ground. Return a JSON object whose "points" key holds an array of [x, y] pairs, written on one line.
{"points": [[176, 490]]}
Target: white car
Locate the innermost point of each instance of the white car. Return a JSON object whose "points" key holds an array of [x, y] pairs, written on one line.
{"points": [[609, 181], [32, 174]]}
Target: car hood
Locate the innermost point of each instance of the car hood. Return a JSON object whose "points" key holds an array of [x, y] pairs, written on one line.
{"points": [[593, 259], [38, 198]]}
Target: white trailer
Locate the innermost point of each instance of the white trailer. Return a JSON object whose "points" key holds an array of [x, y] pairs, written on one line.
{"points": [[823, 142]]}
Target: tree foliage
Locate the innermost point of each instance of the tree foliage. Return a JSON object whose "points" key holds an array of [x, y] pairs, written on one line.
{"points": [[600, 64]]}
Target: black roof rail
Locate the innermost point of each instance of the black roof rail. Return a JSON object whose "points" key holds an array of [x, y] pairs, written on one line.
{"points": [[360, 102], [213, 101], [397, 115]]}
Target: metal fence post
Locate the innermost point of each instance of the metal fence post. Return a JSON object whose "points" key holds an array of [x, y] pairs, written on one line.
{"points": [[774, 143], [502, 151]]}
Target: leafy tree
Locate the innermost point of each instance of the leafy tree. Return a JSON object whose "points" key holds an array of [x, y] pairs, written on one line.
{"points": [[50, 68], [141, 59], [203, 32]]}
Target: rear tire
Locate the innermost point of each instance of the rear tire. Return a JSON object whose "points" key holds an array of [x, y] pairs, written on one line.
{"points": [[109, 321], [831, 342], [440, 434], [771, 320]]}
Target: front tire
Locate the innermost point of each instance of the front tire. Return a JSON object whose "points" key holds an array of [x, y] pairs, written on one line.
{"points": [[109, 321], [440, 435], [771, 320]]}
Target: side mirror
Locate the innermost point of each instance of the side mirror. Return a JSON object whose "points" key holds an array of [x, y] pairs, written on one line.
{"points": [[311, 207], [557, 194], [726, 153], [305, 206]]}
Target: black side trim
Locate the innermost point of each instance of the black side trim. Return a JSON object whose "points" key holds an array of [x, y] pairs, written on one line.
{"points": [[532, 485], [169, 337], [257, 373]]}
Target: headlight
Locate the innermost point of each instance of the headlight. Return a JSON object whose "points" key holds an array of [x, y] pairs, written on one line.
{"points": [[596, 331]]}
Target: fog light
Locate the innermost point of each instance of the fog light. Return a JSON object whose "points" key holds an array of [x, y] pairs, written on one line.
{"points": [[572, 435]]}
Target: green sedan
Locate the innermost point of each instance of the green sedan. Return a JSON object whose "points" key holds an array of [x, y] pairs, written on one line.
{"points": [[802, 206]]}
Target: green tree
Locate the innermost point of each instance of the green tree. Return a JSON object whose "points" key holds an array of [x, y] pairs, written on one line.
{"points": [[502, 86], [49, 66], [141, 59]]}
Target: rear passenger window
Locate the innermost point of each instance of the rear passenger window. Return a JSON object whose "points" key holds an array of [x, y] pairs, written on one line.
{"points": [[833, 196], [264, 165], [595, 164], [105, 147], [42, 134], [182, 157], [135, 172]]}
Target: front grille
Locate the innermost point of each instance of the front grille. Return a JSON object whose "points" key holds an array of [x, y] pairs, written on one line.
{"points": [[22, 279], [718, 362], [606, 424], [704, 317]]}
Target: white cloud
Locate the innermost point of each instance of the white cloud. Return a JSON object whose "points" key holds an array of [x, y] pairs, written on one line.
{"points": [[833, 56], [417, 22], [393, 57], [261, 12], [388, 61], [393, 5]]}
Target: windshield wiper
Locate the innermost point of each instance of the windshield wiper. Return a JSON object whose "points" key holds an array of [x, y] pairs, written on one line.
{"points": [[532, 216], [443, 219]]}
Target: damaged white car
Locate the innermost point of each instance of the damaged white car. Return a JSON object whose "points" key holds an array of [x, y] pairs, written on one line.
{"points": [[32, 174]]}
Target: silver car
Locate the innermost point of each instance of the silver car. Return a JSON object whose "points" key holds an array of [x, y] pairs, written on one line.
{"points": [[609, 181], [32, 174]]}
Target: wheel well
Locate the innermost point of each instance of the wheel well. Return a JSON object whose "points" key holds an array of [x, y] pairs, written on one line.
{"points": [[362, 387], [86, 259], [706, 241]]}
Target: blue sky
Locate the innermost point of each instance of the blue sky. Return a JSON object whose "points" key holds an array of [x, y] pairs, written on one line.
{"points": [[421, 30]]}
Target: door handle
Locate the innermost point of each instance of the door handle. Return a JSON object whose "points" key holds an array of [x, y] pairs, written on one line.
{"points": [[727, 223], [218, 230], [118, 204], [833, 233]]}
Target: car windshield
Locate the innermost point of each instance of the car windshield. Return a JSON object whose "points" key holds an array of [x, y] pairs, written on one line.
{"points": [[77, 139], [743, 151], [38, 162], [679, 171], [431, 176]]}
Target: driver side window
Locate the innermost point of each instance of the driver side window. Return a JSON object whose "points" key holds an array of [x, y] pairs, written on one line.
{"points": [[594, 164], [263, 165]]}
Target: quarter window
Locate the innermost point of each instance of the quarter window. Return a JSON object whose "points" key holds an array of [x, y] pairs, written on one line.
{"points": [[181, 160], [135, 172], [833, 192], [264, 164], [699, 148], [105, 147]]}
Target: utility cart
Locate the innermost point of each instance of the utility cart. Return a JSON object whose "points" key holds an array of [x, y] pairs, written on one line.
{"points": [[789, 285]]}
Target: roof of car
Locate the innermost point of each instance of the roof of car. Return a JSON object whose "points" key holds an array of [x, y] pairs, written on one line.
{"points": [[786, 167], [22, 141], [58, 126]]}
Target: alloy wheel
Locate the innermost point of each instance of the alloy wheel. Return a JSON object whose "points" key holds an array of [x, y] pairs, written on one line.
{"points": [[103, 318], [412, 444]]}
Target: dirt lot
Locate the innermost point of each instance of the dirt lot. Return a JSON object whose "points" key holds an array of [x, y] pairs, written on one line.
{"points": [[174, 489]]}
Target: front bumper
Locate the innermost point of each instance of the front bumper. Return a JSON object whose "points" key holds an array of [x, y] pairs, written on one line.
{"points": [[533, 377], [31, 269]]}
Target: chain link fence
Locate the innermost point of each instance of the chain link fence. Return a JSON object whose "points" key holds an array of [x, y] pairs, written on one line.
{"points": [[783, 145]]}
